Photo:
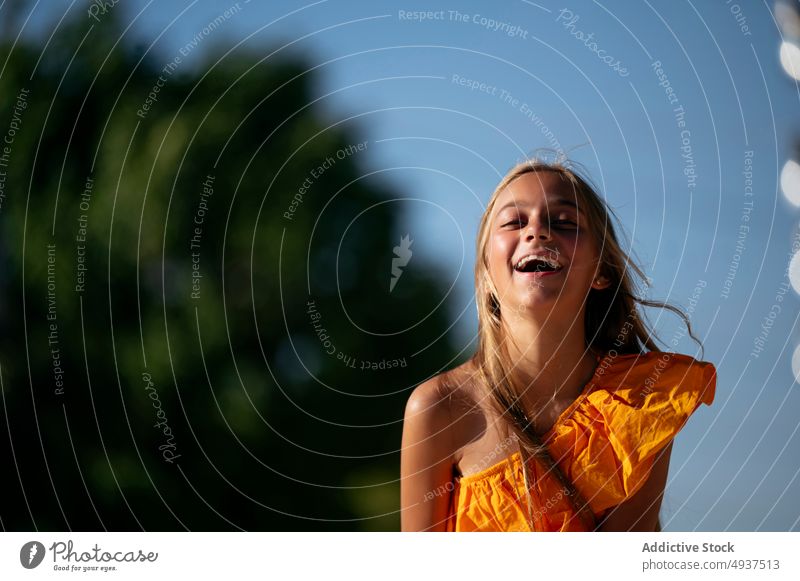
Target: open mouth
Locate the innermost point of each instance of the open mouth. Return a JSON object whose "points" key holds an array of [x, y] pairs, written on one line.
{"points": [[537, 265]]}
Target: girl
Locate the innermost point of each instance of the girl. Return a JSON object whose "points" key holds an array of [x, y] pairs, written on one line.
{"points": [[564, 417]]}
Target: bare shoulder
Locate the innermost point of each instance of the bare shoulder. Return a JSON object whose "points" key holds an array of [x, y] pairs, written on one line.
{"points": [[444, 395], [444, 412], [427, 458]]}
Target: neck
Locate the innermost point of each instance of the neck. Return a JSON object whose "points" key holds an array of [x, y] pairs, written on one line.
{"points": [[549, 356]]}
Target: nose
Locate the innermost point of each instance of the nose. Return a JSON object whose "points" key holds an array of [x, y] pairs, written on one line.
{"points": [[537, 230]]}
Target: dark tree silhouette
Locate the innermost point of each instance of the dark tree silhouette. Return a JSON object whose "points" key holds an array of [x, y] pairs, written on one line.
{"points": [[190, 291]]}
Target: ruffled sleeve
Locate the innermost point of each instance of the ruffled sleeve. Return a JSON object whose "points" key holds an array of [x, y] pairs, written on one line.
{"points": [[639, 404]]}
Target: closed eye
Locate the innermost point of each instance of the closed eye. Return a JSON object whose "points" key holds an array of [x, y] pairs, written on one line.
{"points": [[521, 222]]}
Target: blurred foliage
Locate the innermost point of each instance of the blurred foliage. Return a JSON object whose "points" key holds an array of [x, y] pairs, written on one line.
{"points": [[271, 431]]}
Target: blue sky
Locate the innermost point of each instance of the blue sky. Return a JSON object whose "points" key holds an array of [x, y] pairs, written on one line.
{"points": [[404, 85]]}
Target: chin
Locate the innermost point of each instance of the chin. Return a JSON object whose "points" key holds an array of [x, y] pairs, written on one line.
{"points": [[530, 304]]}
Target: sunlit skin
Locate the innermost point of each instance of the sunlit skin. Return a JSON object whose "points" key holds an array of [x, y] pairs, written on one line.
{"points": [[543, 312]]}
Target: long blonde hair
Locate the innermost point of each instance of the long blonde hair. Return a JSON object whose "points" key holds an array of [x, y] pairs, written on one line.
{"points": [[607, 311]]}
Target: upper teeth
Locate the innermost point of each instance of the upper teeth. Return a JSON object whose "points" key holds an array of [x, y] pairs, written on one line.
{"points": [[526, 259]]}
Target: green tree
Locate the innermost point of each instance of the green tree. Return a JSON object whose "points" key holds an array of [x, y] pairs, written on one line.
{"points": [[169, 258]]}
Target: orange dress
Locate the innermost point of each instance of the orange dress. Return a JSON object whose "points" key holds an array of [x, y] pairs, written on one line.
{"points": [[605, 442]]}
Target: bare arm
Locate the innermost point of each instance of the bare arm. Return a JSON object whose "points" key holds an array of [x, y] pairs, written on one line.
{"points": [[640, 512], [426, 460]]}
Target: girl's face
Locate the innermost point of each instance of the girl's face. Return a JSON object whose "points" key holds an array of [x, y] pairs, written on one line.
{"points": [[539, 214]]}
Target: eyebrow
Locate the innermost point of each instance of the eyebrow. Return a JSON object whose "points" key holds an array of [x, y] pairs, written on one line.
{"points": [[551, 203]]}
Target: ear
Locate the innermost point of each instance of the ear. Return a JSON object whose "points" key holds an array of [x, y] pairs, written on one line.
{"points": [[601, 282]]}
